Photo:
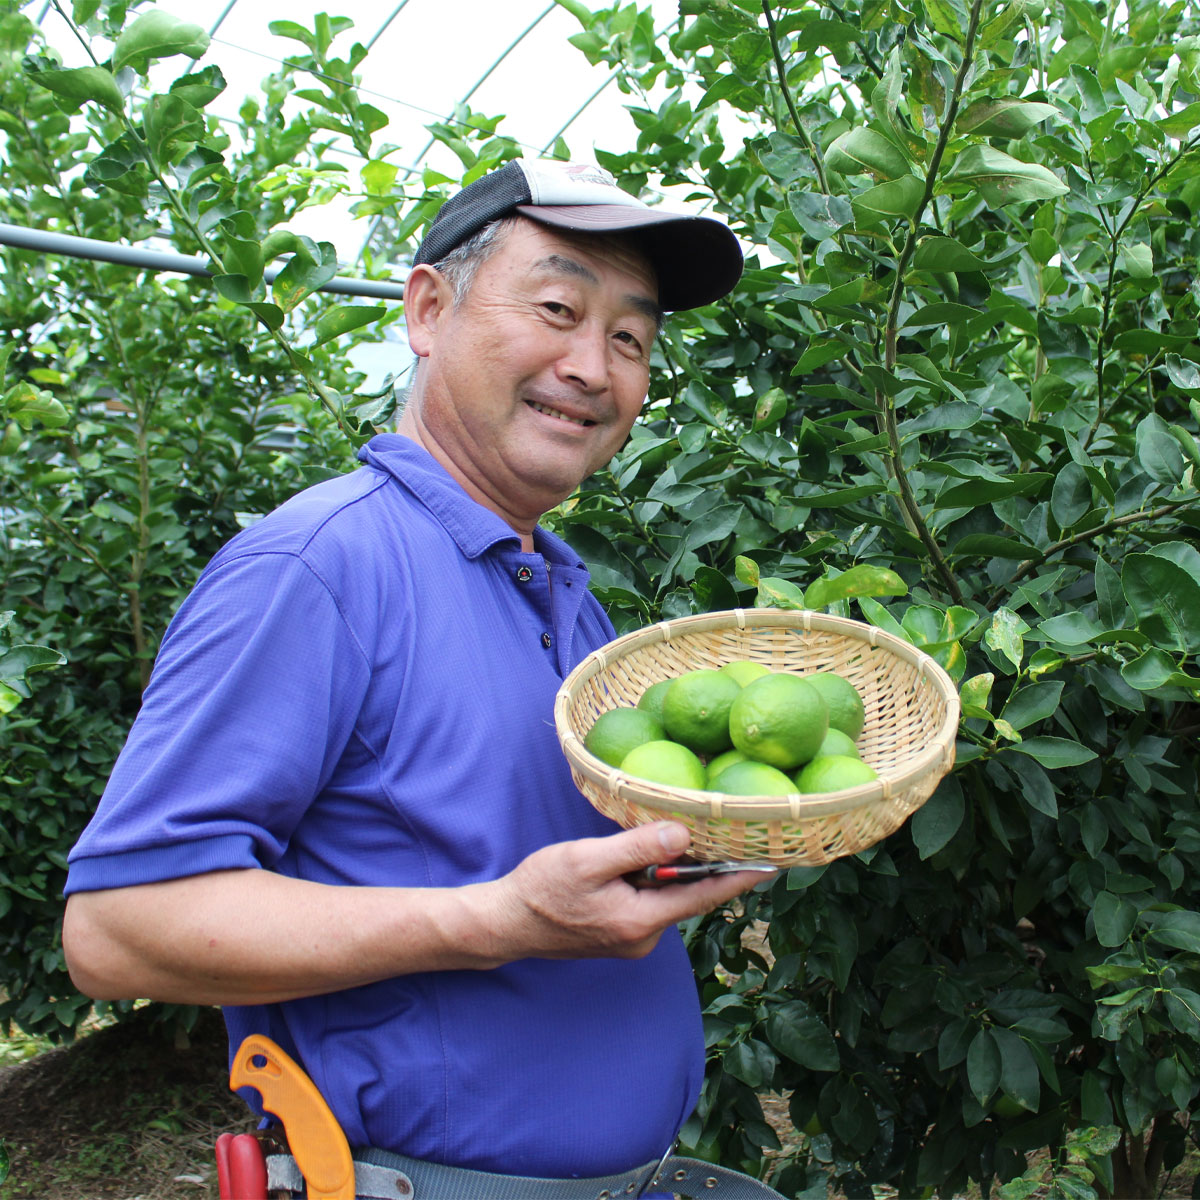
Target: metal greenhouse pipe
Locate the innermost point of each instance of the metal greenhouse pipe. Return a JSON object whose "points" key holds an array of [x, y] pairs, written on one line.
{"points": [[46, 242]]}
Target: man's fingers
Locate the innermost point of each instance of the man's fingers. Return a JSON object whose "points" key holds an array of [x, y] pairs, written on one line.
{"points": [[658, 842]]}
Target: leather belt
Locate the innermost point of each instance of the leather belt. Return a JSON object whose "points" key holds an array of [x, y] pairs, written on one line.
{"points": [[382, 1175]]}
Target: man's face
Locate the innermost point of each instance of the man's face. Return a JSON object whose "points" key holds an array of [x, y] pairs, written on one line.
{"points": [[532, 382]]}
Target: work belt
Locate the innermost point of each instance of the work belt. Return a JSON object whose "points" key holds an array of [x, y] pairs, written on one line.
{"points": [[382, 1175]]}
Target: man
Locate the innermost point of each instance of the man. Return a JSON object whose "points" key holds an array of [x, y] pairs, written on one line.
{"points": [[342, 813]]}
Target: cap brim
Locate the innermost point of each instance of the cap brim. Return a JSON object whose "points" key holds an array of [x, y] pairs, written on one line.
{"points": [[697, 259]]}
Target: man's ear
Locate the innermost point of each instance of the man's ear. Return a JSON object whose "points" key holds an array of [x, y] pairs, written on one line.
{"points": [[428, 297]]}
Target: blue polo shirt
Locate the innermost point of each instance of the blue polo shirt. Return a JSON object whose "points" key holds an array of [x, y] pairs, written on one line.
{"points": [[359, 691]]}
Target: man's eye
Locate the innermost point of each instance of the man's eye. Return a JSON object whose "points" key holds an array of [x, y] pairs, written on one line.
{"points": [[557, 308], [630, 339]]}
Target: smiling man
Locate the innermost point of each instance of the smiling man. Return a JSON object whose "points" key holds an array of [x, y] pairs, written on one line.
{"points": [[342, 812]]}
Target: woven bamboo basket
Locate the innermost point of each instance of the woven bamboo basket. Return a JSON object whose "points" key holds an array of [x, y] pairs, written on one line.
{"points": [[912, 712]]}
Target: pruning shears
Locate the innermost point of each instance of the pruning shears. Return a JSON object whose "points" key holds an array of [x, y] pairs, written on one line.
{"points": [[660, 874]]}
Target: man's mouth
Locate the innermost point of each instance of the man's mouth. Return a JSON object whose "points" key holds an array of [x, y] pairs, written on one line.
{"points": [[562, 416]]}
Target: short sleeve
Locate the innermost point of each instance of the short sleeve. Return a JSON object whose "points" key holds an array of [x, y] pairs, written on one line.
{"points": [[253, 698]]}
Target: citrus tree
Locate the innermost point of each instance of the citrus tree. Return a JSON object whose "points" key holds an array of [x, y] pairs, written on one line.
{"points": [[955, 395], [964, 354]]}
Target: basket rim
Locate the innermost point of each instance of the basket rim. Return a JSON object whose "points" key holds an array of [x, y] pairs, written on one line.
{"points": [[794, 806]]}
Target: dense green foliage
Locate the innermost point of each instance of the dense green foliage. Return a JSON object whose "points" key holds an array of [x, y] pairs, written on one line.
{"points": [[956, 395], [965, 352]]}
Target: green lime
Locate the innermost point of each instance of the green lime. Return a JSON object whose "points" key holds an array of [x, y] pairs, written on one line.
{"points": [[618, 730], [843, 701], [652, 698], [666, 762], [718, 764], [750, 778], [743, 670], [832, 774], [837, 742], [778, 719], [696, 710]]}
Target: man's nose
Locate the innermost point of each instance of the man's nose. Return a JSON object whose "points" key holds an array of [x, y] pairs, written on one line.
{"points": [[584, 360]]}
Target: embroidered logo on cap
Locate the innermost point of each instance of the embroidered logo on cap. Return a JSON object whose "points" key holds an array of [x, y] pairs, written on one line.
{"points": [[573, 183]]}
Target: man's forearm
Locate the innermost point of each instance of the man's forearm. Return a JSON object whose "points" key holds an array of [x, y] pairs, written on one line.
{"points": [[254, 937]]}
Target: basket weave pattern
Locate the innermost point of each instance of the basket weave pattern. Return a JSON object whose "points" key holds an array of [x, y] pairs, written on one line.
{"points": [[912, 712]]}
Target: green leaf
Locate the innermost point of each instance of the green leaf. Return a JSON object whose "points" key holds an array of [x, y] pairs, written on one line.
{"points": [[1032, 703], [749, 1061], [1137, 258], [1054, 752], [771, 408], [1151, 670], [271, 315], [798, 1034], [157, 34], [295, 31], [976, 492], [943, 254], [1070, 629], [1071, 495], [975, 694], [821, 216], [1001, 179], [1183, 1007], [379, 177], [169, 122], [1114, 918], [983, 1066], [778, 593], [1180, 124], [308, 270], [1179, 929], [1158, 452], [1002, 117], [859, 580], [1005, 635], [1019, 1075], [939, 818], [938, 316], [19, 661], [895, 198], [946, 17], [1165, 599], [201, 87], [863, 151], [83, 85], [746, 570], [1182, 372], [343, 318], [30, 406]]}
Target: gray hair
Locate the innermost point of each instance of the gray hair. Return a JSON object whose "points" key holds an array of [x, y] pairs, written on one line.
{"points": [[461, 265]]}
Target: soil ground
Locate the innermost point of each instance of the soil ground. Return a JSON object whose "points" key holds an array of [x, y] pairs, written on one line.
{"points": [[121, 1114]]}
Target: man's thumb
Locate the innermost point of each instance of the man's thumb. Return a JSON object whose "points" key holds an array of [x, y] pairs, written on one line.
{"points": [[660, 841]]}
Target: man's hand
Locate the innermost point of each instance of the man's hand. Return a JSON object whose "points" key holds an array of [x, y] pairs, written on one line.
{"points": [[571, 900]]}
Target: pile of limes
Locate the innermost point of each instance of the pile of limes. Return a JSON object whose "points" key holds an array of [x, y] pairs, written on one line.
{"points": [[742, 729]]}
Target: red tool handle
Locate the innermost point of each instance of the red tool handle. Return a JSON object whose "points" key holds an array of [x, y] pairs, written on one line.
{"points": [[247, 1169], [224, 1184]]}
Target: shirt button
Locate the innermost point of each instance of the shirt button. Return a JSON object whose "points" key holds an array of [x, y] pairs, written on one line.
{"points": [[524, 574], [546, 640]]}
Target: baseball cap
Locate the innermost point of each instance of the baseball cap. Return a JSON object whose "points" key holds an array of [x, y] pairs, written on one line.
{"points": [[697, 259]]}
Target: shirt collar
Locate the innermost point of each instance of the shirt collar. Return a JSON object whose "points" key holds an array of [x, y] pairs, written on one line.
{"points": [[474, 528]]}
